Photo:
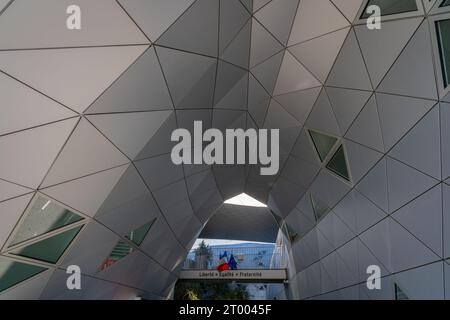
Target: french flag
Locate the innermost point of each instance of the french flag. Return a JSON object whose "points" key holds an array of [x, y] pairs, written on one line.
{"points": [[223, 262]]}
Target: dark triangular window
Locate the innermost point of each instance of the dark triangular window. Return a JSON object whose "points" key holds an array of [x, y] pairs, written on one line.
{"points": [[443, 38], [138, 235], [50, 249], [323, 143], [13, 272], [389, 7], [338, 164], [320, 208], [399, 293], [122, 248], [44, 216]]}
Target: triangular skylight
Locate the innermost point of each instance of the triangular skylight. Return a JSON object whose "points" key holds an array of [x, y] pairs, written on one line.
{"points": [[338, 164], [50, 249], [121, 250], [391, 7], [245, 200], [323, 143], [13, 272], [399, 293], [320, 208], [138, 235], [44, 216], [443, 28]]}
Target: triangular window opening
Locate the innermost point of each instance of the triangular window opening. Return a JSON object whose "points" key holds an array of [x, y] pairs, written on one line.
{"points": [[50, 249], [245, 200], [320, 208], [445, 3], [44, 216], [322, 143], [399, 294], [13, 272], [138, 235], [443, 39], [122, 248], [338, 164], [389, 7]]}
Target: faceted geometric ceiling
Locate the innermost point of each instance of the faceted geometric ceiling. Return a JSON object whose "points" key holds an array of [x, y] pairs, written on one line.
{"points": [[87, 117]]}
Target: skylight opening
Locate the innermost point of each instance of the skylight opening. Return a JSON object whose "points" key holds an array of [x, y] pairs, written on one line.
{"points": [[444, 3], [323, 143], [245, 200], [443, 29], [391, 7], [320, 209], [13, 272], [224, 242], [43, 216], [123, 249], [50, 249], [338, 164], [399, 293]]}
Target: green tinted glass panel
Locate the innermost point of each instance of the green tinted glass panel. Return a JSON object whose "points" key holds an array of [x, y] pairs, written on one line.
{"points": [[12, 273], [44, 216], [391, 7], [320, 209], [322, 143], [445, 3], [138, 235], [51, 249], [121, 250], [399, 294], [338, 164], [443, 30]]}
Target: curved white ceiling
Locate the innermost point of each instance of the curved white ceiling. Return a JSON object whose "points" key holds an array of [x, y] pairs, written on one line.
{"points": [[87, 117]]}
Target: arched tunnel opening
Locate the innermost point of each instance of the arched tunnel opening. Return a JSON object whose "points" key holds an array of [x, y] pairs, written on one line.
{"points": [[240, 254]]}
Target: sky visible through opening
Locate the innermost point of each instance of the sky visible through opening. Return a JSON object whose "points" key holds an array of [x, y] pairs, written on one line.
{"points": [[218, 242], [246, 201], [239, 200]]}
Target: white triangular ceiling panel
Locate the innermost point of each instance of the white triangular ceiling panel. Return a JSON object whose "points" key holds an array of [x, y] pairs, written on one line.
{"points": [[74, 77], [315, 18], [97, 28], [26, 156]]}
